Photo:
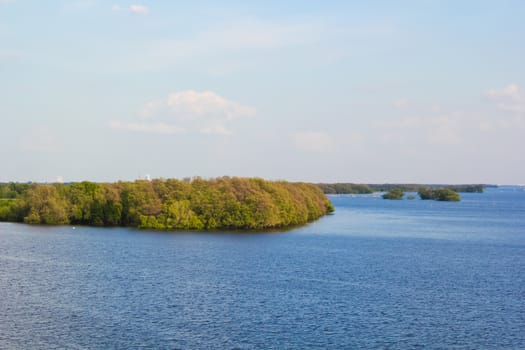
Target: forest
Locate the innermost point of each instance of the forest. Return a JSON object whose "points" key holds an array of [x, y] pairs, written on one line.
{"points": [[350, 188], [344, 188], [166, 204]]}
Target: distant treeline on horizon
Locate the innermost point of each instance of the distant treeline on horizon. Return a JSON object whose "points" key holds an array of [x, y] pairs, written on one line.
{"points": [[165, 204], [351, 188]]}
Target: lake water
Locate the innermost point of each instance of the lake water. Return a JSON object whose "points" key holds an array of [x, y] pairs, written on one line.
{"points": [[377, 274]]}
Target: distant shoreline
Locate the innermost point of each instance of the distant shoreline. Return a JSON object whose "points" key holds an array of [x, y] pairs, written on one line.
{"points": [[353, 188]]}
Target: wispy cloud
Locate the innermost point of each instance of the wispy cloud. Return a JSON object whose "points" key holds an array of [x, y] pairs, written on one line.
{"points": [[251, 35], [139, 9], [445, 129], [227, 46], [216, 130], [136, 9], [401, 103], [313, 141], [203, 112], [79, 5], [153, 128], [509, 98], [439, 127], [193, 105]]}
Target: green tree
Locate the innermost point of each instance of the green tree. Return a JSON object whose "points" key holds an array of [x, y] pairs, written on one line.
{"points": [[45, 206]]}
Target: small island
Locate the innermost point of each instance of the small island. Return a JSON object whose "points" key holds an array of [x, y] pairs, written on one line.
{"points": [[439, 194], [166, 204], [446, 193], [395, 193]]}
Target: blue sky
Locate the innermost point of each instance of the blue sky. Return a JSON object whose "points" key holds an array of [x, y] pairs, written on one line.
{"points": [[377, 91]]}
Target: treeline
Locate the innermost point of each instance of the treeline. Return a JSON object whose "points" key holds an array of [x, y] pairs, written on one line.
{"points": [[467, 188], [197, 204], [344, 188], [349, 188], [416, 187]]}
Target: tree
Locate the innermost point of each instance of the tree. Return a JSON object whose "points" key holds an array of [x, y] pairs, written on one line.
{"points": [[45, 206]]}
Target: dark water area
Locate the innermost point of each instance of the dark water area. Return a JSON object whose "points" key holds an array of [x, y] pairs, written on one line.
{"points": [[376, 274]]}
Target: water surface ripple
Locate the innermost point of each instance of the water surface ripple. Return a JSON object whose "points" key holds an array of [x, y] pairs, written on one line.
{"points": [[377, 274]]}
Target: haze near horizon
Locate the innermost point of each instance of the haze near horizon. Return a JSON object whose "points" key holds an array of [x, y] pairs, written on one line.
{"points": [[339, 91]]}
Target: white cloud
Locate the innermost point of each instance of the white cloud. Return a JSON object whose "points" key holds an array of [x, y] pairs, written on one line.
{"points": [[313, 141], [196, 105], [136, 9], [139, 9], [4, 2], [204, 112], [509, 98]]}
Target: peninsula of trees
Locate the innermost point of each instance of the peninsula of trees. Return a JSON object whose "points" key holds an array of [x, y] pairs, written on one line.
{"points": [[192, 204]]}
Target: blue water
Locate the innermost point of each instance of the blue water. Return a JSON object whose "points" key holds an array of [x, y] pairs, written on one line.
{"points": [[377, 274]]}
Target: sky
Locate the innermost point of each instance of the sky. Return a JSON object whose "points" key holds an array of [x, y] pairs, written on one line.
{"points": [[422, 91]]}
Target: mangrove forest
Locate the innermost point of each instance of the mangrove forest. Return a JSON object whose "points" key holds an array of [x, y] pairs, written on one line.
{"points": [[166, 204], [351, 188]]}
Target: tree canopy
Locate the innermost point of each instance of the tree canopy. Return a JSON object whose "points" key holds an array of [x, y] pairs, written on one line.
{"points": [[439, 194], [395, 193], [166, 204], [345, 188]]}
